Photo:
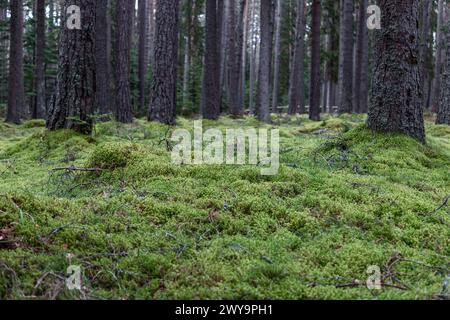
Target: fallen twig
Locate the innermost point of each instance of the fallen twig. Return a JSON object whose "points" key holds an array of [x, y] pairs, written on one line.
{"points": [[73, 168], [444, 203]]}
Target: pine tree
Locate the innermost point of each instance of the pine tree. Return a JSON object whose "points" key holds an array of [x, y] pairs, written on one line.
{"points": [[15, 110], [314, 104], [396, 99], [164, 89], [75, 88]]}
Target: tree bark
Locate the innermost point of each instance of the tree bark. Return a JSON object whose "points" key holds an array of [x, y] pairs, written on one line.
{"points": [[426, 51], [443, 116], [396, 100], [360, 94], [314, 105], [102, 61], [253, 58], [436, 92], [39, 106], [266, 44], [124, 16], [346, 58], [297, 85], [143, 55], [276, 56], [75, 88], [164, 89], [15, 110], [211, 71]]}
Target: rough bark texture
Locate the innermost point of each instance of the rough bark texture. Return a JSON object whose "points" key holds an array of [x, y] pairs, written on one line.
{"points": [[15, 110], [436, 91], [314, 101], [164, 89], [151, 30], [443, 116], [143, 55], [396, 100], [360, 94], [211, 70], [75, 88], [426, 51], [39, 106], [124, 15], [266, 44], [346, 57], [103, 98], [297, 85]]}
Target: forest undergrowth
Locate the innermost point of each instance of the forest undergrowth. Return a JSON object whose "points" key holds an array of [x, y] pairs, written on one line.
{"points": [[140, 227]]}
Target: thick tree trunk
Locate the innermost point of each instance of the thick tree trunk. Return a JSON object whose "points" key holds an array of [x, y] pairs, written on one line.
{"points": [[143, 55], [297, 84], [360, 94], [396, 100], [75, 88], [346, 58], [164, 89], [314, 104], [276, 56], [102, 61], [211, 71], [124, 16], [15, 110], [39, 106]]}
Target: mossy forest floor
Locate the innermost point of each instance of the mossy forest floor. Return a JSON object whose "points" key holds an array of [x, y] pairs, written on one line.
{"points": [[143, 228]]}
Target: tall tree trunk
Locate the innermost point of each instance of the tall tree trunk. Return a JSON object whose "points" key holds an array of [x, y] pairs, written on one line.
{"points": [[425, 50], [223, 31], [102, 61], [75, 88], [243, 73], [443, 116], [143, 55], [39, 105], [346, 57], [211, 70], [124, 33], [297, 84], [164, 89], [253, 58], [314, 104], [151, 30], [234, 52], [360, 94], [3, 54], [276, 56], [266, 44], [15, 110], [436, 92], [396, 100]]}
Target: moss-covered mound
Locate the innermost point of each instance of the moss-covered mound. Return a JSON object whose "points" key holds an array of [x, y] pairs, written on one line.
{"points": [[345, 199]]}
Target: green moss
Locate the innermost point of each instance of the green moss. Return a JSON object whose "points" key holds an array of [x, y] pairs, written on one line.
{"points": [[345, 199]]}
